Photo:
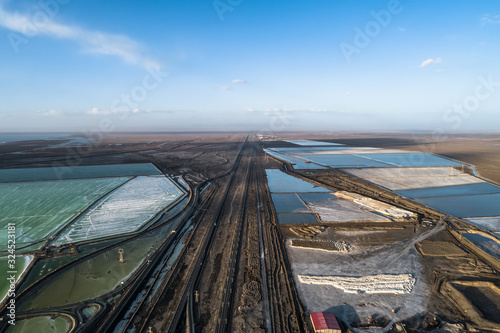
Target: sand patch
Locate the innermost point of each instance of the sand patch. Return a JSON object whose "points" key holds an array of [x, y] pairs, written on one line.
{"points": [[307, 232], [440, 249]]}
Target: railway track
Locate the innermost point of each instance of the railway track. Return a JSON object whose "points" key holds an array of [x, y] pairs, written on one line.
{"points": [[153, 303], [202, 253], [262, 255], [226, 309]]}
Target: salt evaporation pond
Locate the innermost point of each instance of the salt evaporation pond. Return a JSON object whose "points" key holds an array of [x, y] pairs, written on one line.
{"points": [[78, 172], [330, 208], [345, 161], [280, 182], [40, 208], [296, 219], [98, 275], [292, 196], [337, 150], [487, 244], [490, 223], [317, 197], [22, 263], [124, 210], [16, 137], [312, 143], [397, 179], [466, 206], [446, 191], [295, 162], [411, 159], [309, 150], [363, 157], [288, 203], [43, 323]]}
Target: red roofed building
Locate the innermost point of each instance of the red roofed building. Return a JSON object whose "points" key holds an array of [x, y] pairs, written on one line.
{"points": [[325, 323]]}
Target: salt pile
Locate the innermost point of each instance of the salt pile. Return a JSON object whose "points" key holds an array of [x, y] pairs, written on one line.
{"points": [[375, 205], [330, 246], [371, 284]]}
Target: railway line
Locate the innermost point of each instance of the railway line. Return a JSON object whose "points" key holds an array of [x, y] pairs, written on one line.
{"points": [[225, 312], [262, 255], [202, 252]]}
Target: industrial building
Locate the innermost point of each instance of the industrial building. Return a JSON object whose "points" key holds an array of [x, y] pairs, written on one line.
{"points": [[324, 322]]}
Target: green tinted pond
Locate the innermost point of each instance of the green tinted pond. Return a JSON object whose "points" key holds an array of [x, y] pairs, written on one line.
{"points": [[44, 324], [20, 265], [78, 172], [98, 275], [38, 209]]}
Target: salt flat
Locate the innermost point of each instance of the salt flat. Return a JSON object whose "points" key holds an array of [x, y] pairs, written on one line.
{"points": [[40, 208], [312, 143], [396, 179], [124, 210]]}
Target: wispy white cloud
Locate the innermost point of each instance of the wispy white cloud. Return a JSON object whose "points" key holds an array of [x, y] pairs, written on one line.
{"points": [[92, 42], [348, 93], [402, 29], [228, 87], [431, 61], [50, 113], [274, 111], [98, 112], [490, 19]]}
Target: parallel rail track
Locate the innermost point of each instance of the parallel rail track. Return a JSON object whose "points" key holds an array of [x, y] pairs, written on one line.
{"points": [[226, 310], [262, 255], [203, 251]]}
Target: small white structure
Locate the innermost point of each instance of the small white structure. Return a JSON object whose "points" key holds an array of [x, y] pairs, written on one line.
{"points": [[120, 252]]}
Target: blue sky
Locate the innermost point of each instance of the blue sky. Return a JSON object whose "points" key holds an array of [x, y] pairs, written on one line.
{"points": [[75, 65]]}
